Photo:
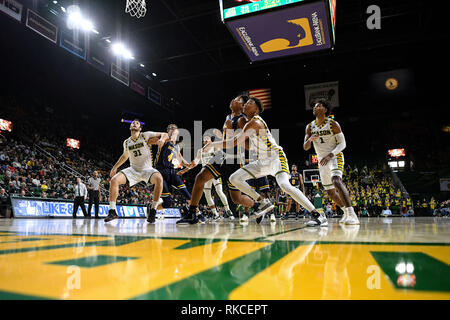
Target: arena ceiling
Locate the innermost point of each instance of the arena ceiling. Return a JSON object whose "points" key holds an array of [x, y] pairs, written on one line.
{"points": [[185, 39]]}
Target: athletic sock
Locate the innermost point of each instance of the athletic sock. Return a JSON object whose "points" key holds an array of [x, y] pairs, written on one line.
{"points": [[192, 209], [226, 207], [154, 204], [112, 205], [214, 211]]}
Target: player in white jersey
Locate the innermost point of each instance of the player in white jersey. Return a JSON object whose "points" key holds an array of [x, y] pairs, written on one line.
{"points": [[137, 149], [329, 142], [204, 156], [271, 160]]}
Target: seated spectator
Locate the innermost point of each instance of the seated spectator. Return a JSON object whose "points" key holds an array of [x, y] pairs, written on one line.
{"points": [[408, 213], [386, 212], [365, 212], [328, 210]]}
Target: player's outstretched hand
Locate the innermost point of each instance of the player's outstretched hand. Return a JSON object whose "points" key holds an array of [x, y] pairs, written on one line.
{"points": [[113, 172]]}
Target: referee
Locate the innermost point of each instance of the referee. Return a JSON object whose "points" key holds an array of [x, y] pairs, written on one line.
{"points": [[93, 187], [80, 196]]}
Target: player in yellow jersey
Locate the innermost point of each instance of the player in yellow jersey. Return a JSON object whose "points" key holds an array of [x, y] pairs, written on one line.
{"points": [[329, 142]]}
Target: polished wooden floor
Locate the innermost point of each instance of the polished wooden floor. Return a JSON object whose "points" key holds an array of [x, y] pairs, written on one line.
{"points": [[392, 258]]}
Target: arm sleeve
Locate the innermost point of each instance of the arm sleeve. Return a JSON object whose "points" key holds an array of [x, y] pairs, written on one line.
{"points": [[340, 140]]}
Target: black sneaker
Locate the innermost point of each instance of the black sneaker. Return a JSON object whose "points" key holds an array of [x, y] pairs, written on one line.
{"points": [[151, 216], [197, 219], [187, 219], [284, 217], [259, 219], [111, 215]]}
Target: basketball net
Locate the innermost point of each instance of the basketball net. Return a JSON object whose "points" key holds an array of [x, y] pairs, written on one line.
{"points": [[136, 8]]}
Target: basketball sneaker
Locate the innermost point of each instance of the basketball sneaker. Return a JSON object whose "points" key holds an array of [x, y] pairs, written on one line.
{"points": [[189, 218], [151, 216], [111, 215], [344, 217], [264, 206], [216, 217], [317, 220], [244, 218], [284, 216], [200, 219], [352, 219], [272, 218]]}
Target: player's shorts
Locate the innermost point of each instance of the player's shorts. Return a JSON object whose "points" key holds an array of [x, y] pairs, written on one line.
{"points": [[335, 167], [133, 176], [282, 199], [213, 182], [171, 178], [262, 184], [271, 166], [219, 168]]}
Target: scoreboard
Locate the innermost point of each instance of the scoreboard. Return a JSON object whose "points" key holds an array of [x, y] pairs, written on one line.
{"points": [[235, 8], [269, 29]]}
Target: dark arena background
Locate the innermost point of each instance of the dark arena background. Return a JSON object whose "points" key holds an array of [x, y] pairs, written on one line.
{"points": [[74, 76]]}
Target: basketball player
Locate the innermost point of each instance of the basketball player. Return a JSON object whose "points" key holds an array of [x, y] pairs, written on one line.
{"points": [[329, 142], [164, 164], [296, 180], [204, 156], [260, 185], [136, 149], [224, 163], [282, 202], [271, 161]]}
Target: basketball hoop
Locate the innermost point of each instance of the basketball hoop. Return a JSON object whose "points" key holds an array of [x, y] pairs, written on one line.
{"points": [[136, 8]]}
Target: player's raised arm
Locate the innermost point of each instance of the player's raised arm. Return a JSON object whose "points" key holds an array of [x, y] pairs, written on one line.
{"points": [[309, 138], [158, 138], [249, 129]]}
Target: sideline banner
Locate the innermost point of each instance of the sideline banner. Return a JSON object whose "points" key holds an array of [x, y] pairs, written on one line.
{"points": [[36, 207]]}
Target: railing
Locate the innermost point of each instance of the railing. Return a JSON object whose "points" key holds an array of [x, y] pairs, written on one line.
{"points": [[398, 183]]}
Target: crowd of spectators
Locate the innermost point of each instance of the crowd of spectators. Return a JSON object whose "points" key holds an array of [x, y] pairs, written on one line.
{"points": [[34, 162]]}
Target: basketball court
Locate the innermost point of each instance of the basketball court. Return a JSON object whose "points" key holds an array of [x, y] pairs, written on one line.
{"points": [[383, 258]]}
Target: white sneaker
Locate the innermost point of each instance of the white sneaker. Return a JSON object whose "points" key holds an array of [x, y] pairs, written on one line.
{"points": [[244, 218], [320, 221], [161, 216], [272, 218], [352, 219], [344, 217], [264, 206]]}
